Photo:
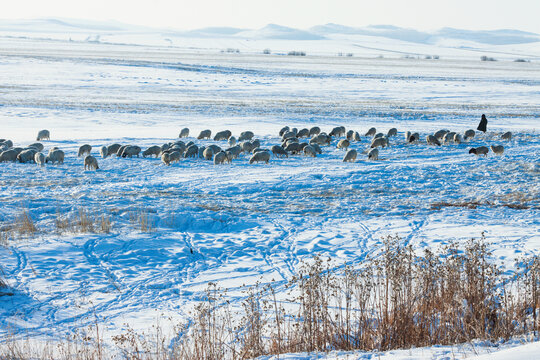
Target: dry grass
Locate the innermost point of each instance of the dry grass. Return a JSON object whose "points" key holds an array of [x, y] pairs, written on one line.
{"points": [[83, 222], [398, 299], [142, 220]]}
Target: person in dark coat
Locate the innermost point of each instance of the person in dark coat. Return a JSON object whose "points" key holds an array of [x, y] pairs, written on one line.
{"points": [[483, 124]]}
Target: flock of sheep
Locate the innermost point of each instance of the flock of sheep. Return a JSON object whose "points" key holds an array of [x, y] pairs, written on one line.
{"points": [[293, 142]]}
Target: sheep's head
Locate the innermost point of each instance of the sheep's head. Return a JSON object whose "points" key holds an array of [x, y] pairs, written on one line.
{"points": [[473, 151]]}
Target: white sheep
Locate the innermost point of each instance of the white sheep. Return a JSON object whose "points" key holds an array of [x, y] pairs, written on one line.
{"points": [[223, 135], [231, 141], [373, 154], [507, 135], [166, 159], [37, 146], [343, 144], [39, 158], [432, 140], [184, 133], [350, 135], [103, 152], [439, 134], [247, 135], [288, 135], [208, 153], [205, 134], [317, 148], [43, 135], [497, 149], [279, 151], [256, 143], [131, 150], [113, 149], [7, 143], [337, 131], [153, 150], [294, 148], [381, 141], [310, 151], [84, 150], [303, 133], [371, 132], [281, 132], [469, 134], [234, 151], [392, 132], [481, 150], [8, 156], [314, 131], [27, 155], [192, 151], [260, 157], [458, 139], [448, 137], [350, 156], [321, 139], [90, 163], [220, 158], [174, 156], [356, 136], [55, 156]]}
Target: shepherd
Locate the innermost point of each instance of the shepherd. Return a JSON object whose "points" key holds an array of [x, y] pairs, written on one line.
{"points": [[483, 124]]}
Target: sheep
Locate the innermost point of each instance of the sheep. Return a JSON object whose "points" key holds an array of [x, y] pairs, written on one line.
{"points": [[255, 143], [371, 132], [27, 155], [458, 139], [349, 135], [246, 146], [189, 144], [314, 131], [113, 149], [214, 148], [180, 143], [310, 151], [303, 133], [223, 135], [383, 142], [337, 131], [432, 140], [350, 156], [37, 146], [278, 151], [103, 152], [259, 157], [284, 130], [153, 150], [43, 135], [343, 144], [439, 134], [165, 158], [192, 151], [220, 158], [208, 153], [481, 150], [55, 156], [321, 139], [201, 152], [8, 155], [90, 163], [8, 143], [507, 135], [497, 149], [231, 141], [378, 135], [18, 150], [205, 134], [174, 156], [293, 148], [289, 141], [317, 148], [39, 158], [414, 137], [373, 154], [448, 137], [294, 131], [184, 133], [407, 136], [84, 149], [288, 135], [247, 135], [131, 150], [392, 132], [234, 151], [469, 134]]}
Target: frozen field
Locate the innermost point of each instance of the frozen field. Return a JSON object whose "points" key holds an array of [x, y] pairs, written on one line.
{"points": [[237, 224]]}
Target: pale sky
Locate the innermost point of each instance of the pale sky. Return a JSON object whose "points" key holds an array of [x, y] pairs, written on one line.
{"points": [[192, 14]]}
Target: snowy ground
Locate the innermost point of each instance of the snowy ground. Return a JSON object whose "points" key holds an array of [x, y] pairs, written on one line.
{"points": [[246, 222]]}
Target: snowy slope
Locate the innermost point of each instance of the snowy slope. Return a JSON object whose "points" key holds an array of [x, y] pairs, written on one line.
{"points": [[241, 223]]}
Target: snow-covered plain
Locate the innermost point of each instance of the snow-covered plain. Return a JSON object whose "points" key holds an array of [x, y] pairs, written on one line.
{"points": [[238, 224]]}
